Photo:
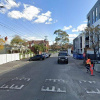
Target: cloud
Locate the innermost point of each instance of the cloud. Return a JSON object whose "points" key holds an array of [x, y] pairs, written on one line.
{"points": [[32, 13], [29, 38], [48, 23], [15, 14], [29, 13], [44, 18], [67, 28], [11, 3], [72, 36], [8, 4], [79, 28], [85, 21], [55, 21]]}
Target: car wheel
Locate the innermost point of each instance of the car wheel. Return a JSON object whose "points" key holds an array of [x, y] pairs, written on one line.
{"points": [[58, 62], [66, 62], [42, 58]]}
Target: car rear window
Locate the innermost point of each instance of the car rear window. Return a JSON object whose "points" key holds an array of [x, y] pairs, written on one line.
{"points": [[62, 54]]}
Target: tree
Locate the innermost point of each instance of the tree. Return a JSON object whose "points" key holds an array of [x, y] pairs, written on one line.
{"points": [[17, 40], [94, 33], [55, 47], [2, 41], [39, 47], [62, 37]]}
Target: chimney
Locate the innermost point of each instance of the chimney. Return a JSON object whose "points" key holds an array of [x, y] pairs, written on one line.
{"points": [[6, 38]]}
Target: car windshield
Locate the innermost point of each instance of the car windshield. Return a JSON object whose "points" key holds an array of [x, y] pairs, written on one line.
{"points": [[62, 54]]}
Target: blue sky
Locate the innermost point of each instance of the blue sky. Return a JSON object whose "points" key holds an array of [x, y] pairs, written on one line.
{"points": [[34, 19]]}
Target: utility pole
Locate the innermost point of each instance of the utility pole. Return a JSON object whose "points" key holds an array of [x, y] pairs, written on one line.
{"points": [[46, 38], [46, 42]]}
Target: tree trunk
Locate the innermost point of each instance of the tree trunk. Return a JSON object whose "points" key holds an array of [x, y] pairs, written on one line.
{"points": [[95, 56]]}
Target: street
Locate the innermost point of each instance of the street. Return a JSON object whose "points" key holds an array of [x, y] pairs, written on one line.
{"points": [[47, 80]]}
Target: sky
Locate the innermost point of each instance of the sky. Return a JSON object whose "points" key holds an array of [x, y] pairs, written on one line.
{"points": [[35, 19]]}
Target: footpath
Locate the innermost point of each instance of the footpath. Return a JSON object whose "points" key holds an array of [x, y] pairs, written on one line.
{"points": [[4, 68], [81, 66]]}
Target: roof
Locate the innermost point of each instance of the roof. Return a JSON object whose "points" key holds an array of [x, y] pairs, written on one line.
{"points": [[38, 42]]}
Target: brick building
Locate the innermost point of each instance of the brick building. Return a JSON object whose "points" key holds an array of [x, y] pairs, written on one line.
{"points": [[38, 42]]}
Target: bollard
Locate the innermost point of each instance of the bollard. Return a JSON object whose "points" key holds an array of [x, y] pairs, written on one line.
{"points": [[91, 69]]}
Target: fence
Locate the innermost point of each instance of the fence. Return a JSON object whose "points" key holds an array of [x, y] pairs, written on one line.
{"points": [[4, 58]]}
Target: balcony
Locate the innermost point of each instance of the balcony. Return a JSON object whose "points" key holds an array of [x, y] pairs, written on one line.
{"points": [[87, 46], [87, 38]]}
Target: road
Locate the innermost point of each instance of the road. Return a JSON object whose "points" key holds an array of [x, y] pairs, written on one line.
{"points": [[47, 80]]}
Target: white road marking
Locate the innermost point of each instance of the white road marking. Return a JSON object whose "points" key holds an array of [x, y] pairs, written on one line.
{"points": [[80, 81], [4, 86], [90, 82], [12, 86], [87, 81], [55, 80], [28, 79], [53, 89], [16, 87], [93, 92]]}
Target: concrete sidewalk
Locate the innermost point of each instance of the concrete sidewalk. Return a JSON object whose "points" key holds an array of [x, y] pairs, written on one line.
{"points": [[81, 66], [12, 65]]}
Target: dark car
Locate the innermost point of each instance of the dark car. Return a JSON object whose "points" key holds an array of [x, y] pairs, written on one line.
{"points": [[62, 57], [37, 57]]}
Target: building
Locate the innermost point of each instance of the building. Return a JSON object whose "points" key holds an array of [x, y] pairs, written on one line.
{"points": [[38, 42], [79, 44], [93, 18], [82, 42]]}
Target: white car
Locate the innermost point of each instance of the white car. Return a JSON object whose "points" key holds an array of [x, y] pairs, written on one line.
{"points": [[45, 54]]}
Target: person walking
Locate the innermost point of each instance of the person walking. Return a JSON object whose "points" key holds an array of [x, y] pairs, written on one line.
{"points": [[88, 63]]}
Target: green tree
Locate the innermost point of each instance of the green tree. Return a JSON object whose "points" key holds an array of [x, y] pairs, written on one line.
{"points": [[39, 47], [62, 37], [17, 40]]}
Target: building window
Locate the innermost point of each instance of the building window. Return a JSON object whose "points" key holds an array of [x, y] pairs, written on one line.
{"points": [[99, 15], [96, 14], [89, 21], [93, 17]]}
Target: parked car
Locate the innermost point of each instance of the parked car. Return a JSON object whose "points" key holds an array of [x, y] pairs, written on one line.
{"points": [[37, 57], [62, 57], [49, 54], [45, 54]]}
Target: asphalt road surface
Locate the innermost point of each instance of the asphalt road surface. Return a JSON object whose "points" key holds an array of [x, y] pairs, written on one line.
{"points": [[47, 80]]}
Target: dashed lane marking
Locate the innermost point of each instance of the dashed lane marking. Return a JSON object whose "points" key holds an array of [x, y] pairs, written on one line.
{"points": [[84, 81]]}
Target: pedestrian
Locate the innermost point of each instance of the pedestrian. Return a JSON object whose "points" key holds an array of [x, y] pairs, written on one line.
{"points": [[88, 63]]}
